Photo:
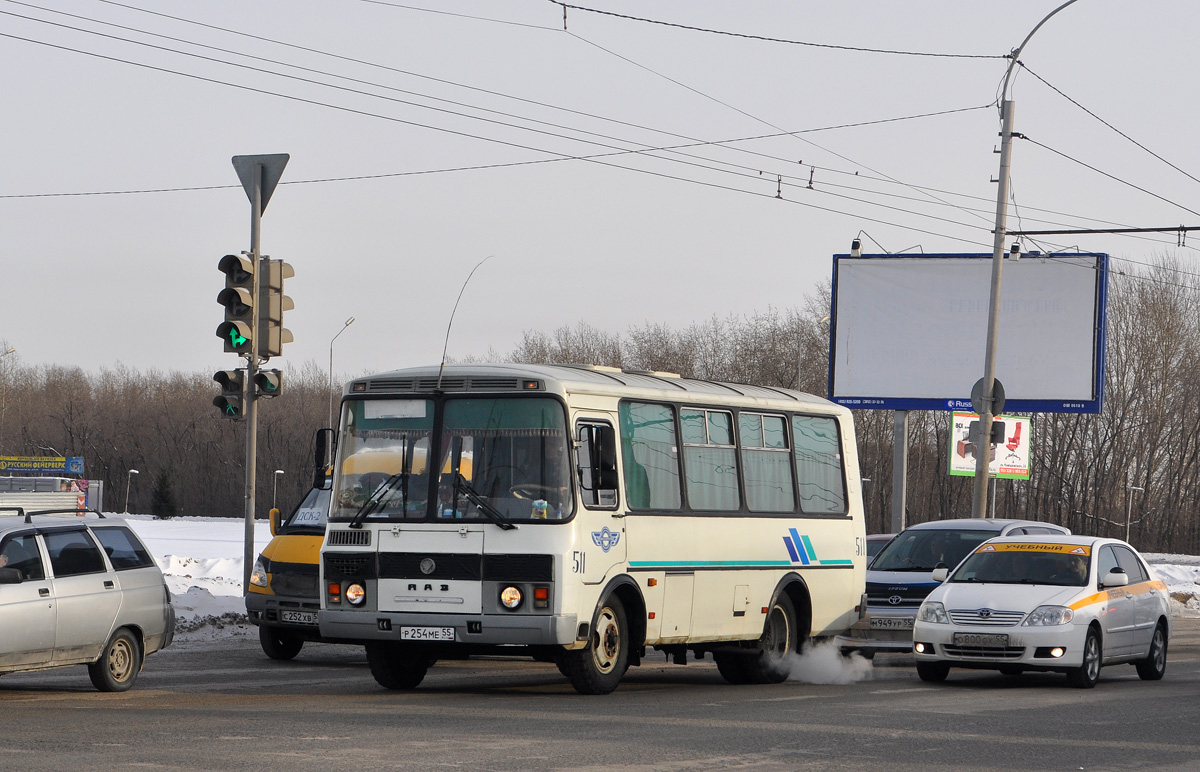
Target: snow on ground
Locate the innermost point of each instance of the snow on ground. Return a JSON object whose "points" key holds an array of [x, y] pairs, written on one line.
{"points": [[202, 559]]}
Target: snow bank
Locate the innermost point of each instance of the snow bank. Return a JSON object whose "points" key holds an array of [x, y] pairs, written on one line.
{"points": [[203, 561], [1182, 575]]}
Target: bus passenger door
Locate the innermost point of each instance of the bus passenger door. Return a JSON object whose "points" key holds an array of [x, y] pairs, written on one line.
{"points": [[601, 543]]}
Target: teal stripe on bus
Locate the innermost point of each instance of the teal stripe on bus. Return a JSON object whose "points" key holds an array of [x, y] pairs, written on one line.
{"points": [[722, 563]]}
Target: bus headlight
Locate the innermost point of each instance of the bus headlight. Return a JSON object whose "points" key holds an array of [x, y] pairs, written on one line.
{"points": [[356, 594], [511, 597], [258, 577]]}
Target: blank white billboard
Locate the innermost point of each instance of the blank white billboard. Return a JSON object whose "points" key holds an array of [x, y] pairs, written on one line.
{"points": [[909, 332]]}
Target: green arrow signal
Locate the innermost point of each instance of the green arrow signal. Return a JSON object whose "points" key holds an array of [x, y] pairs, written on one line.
{"points": [[236, 339]]}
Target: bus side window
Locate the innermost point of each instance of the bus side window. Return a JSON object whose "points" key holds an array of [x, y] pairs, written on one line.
{"points": [[597, 454]]}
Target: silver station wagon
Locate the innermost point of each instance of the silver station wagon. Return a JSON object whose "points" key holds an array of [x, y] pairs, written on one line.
{"points": [[79, 591]]}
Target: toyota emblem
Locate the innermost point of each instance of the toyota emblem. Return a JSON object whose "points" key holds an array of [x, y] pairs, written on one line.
{"points": [[984, 613], [895, 600], [428, 566]]}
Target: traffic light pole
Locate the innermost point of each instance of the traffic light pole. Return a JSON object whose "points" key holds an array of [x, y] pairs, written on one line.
{"points": [[251, 403], [259, 174]]}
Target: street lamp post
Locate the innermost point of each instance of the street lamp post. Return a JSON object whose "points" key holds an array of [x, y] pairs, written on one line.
{"points": [[349, 322], [275, 487], [1129, 489], [4, 394], [128, 480], [987, 411]]}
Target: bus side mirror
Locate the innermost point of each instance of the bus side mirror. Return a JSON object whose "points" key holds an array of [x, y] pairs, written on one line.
{"points": [[323, 458], [940, 573], [273, 519]]}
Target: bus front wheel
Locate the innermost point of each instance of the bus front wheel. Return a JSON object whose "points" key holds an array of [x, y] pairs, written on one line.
{"points": [[598, 667], [395, 666]]}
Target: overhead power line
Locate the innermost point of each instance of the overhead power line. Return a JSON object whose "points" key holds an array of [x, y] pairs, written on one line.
{"points": [[1106, 174], [1058, 91], [810, 44]]}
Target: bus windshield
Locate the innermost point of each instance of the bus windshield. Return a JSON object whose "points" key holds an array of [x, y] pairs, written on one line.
{"points": [[498, 459]]}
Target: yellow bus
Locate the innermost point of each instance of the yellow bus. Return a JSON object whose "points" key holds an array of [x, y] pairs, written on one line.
{"points": [[586, 515]]}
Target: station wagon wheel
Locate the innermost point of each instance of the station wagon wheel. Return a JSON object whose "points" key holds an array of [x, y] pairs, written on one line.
{"points": [[598, 667], [1154, 665], [279, 644], [119, 663], [1087, 674]]}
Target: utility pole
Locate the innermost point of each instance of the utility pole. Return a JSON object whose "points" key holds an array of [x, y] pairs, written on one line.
{"points": [[988, 409]]}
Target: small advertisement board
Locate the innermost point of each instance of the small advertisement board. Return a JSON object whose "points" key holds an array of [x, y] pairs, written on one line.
{"points": [[1010, 458]]}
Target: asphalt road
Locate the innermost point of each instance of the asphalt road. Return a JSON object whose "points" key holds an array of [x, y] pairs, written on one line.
{"points": [[227, 707]]}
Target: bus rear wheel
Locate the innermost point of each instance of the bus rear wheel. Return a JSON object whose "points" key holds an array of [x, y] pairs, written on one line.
{"points": [[780, 639], [598, 667], [395, 666]]}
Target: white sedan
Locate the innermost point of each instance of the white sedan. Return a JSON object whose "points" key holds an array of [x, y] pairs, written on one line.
{"points": [[1069, 604]]}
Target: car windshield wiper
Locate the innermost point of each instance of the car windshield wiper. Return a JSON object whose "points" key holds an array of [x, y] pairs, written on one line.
{"points": [[496, 516], [379, 496]]}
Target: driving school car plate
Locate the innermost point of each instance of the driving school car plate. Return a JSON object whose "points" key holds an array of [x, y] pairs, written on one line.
{"points": [[980, 639], [427, 633], [891, 623], [298, 617]]}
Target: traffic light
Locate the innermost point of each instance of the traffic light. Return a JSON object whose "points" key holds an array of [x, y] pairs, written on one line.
{"points": [[238, 299], [268, 383], [233, 392], [272, 304]]}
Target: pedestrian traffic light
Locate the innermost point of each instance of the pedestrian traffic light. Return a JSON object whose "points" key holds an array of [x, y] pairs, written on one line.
{"points": [[238, 300], [233, 392], [272, 304], [268, 383]]}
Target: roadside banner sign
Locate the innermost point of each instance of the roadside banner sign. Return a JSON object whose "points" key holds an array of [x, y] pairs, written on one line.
{"points": [[1010, 458]]}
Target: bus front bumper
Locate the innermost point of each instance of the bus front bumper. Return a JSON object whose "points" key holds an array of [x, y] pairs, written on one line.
{"points": [[483, 629]]}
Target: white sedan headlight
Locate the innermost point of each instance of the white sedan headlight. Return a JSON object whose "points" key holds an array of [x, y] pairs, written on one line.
{"points": [[1049, 616], [932, 611]]}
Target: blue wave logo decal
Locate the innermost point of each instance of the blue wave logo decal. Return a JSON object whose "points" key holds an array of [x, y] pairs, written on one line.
{"points": [[605, 539]]}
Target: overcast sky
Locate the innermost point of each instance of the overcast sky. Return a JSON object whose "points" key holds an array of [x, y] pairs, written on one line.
{"points": [[426, 136]]}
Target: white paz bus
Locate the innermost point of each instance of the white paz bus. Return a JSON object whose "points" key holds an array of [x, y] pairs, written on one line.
{"points": [[584, 515]]}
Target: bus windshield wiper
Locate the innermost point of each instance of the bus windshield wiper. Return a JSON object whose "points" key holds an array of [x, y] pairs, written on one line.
{"points": [[377, 498], [496, 516]]}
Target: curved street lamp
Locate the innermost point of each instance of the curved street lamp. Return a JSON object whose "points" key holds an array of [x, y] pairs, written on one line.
{"points": [[349, 322], [275, 486], [128, 480], [983, 452]]}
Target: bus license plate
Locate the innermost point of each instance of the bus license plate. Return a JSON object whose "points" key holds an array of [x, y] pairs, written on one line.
{"points": [[980, 639], [427, 633], [891, 623], [298, 617]]}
